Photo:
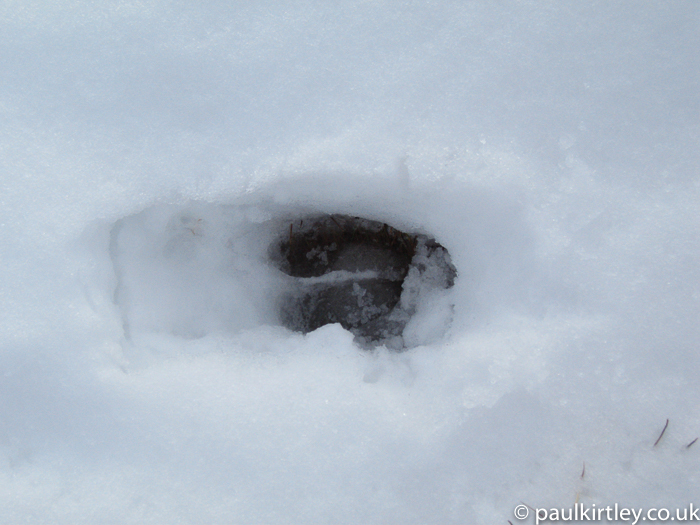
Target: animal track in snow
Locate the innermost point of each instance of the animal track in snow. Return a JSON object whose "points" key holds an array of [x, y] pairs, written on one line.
{"points": [[202, 268], [363, 274]]}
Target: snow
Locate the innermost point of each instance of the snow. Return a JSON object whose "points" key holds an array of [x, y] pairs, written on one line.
{"points": [[150, 153]]}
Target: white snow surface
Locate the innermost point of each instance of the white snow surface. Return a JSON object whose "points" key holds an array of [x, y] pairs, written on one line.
{"points": [[552, 147]]}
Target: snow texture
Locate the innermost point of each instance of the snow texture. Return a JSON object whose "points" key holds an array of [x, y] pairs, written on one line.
{"points": [[151, 152]]}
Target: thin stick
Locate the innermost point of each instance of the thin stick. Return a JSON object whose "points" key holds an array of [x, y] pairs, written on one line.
{"points": [[662, 433], [583, 472], [691, 443]]}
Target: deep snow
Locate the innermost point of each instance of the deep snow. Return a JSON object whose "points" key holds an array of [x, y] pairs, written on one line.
{"points": [[150, 151]]}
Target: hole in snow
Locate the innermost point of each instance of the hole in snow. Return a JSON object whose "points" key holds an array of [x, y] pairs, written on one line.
{"points": [[363, 274], [203, 268]]}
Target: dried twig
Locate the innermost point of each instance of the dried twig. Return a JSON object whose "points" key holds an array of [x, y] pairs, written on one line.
{"points": [[662, 434], [583, 472]]}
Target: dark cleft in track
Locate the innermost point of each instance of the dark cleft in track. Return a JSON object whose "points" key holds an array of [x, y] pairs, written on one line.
{"points": [[351, 271]]}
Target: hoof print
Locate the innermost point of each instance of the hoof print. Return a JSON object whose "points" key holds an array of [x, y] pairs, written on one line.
{"points": [[363, 274]]}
